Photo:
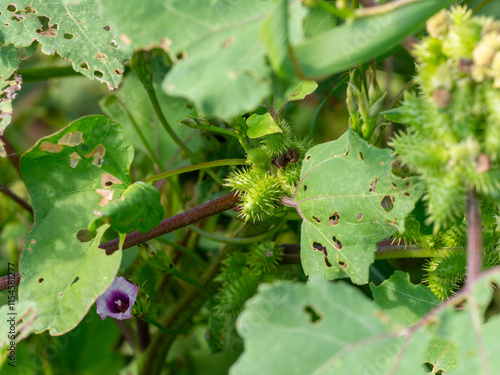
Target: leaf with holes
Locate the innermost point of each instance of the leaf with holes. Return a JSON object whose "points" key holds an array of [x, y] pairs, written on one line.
{"points": [[321, 328], [72, 30], [139, 208], [71, 174], [332, 328], [349, 200]]}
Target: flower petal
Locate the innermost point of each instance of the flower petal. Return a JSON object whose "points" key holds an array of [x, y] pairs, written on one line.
{"points": [[118, 293]]}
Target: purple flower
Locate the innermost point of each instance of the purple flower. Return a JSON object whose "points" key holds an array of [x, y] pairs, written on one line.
{"points": [[117, 300]]}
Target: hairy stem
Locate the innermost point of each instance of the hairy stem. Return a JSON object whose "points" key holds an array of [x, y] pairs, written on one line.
{"points": [[4, 189], [191, 216], [474, 237]]}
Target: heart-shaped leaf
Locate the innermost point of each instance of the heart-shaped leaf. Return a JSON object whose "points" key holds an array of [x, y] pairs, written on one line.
{"points": [[349, 200], [70, 174]]}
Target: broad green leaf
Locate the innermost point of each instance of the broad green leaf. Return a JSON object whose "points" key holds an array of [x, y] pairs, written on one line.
{"points": [[349, 200], [321, 328], [442, 353], [71, 174], [10, 58], [403, 301], [331, 328], [261, 125], [318, 21], [72, 30], [139, 208], [460, 339], [371, 33], [219, 59]]}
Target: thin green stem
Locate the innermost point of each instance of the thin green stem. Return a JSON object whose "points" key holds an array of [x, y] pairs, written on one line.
{"points": [[163, 120], [137, 128], [413, 251], [236, 240], [196, 167]]}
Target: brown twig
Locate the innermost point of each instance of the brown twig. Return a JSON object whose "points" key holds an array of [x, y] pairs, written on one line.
{"points": [[189, 217], [4, 189]]}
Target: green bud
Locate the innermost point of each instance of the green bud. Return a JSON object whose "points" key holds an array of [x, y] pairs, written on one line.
{"points": [[196, 123], [373, 88], [142, 304], [377, 106], [364, 106], [352, 93]]}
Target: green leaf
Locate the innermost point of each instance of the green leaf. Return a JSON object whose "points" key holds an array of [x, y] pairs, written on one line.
{"points": [[375, 31], [261, 125], [139, 208], [20, 328], [72, 30], [349, 200], [219, 59], [321, 328], [404, 302], [318, 21], [70, 174], [395, 114], [296, 92], [443, 353]]}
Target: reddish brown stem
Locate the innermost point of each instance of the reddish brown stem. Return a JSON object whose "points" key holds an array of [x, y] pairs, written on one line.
{"points": [[474, 237], [189, 217]]}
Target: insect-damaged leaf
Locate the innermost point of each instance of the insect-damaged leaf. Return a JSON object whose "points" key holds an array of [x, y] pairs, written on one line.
{"points": [[349, 200], [322, 328], [10, 83], [139, 207], [332, 328], [72, 30], [70, 174]]}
